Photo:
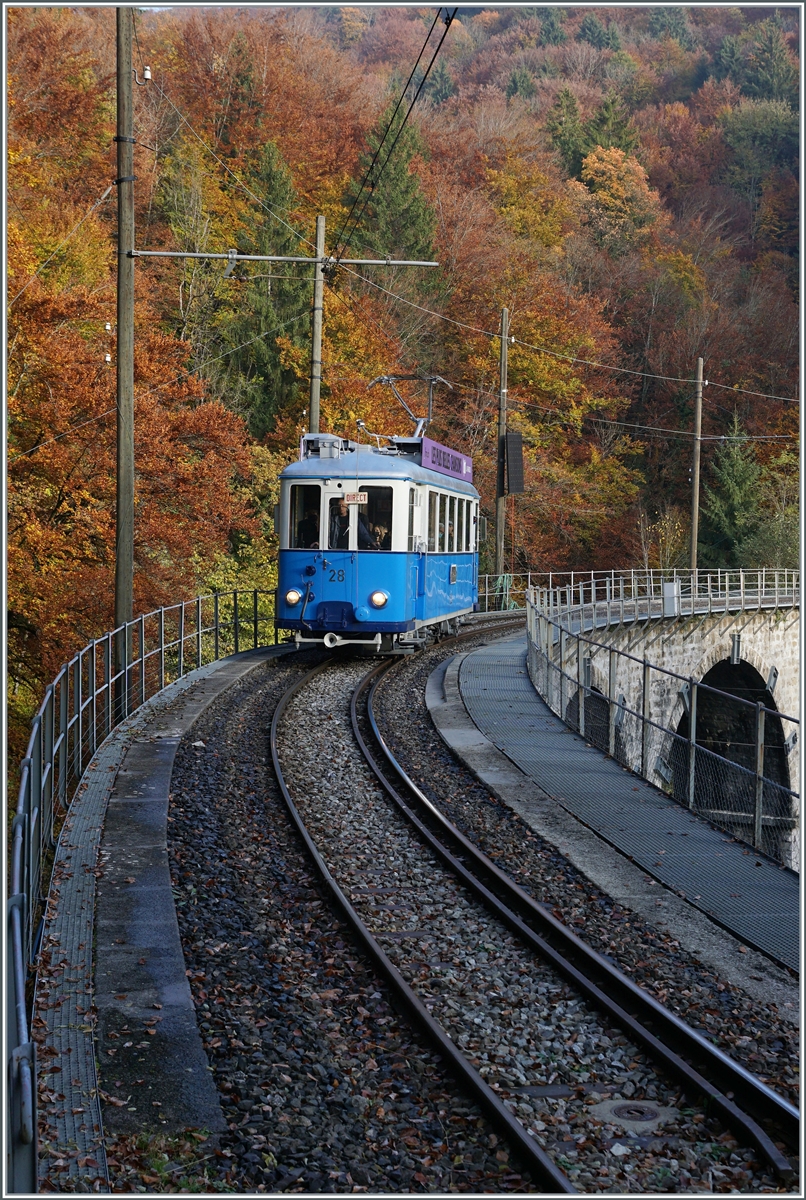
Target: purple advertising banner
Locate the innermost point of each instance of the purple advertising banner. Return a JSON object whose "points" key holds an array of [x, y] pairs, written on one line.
{"points": [[447, 461]]}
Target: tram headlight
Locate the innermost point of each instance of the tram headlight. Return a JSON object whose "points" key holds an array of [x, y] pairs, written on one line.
{"points": [[292, 597], [378, 599]]}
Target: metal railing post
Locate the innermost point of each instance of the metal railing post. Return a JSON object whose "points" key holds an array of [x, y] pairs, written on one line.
{"points": [[215, 624], [35, 827], [181, 654], [77, 732], [48, 721], [611, 707], [645, 687], [92, 696], [107, 725], [692, 740], [64, 717], [161, 635], [563, 636], [236, 620], [141, 646], [198, 632], [758, 816]]}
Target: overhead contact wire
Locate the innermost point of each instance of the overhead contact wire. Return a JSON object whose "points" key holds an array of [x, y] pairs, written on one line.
{"points": [[448, 23], [376, 155]]}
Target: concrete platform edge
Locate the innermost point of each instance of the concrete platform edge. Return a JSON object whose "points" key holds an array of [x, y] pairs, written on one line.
{"points": [[596, 858]]}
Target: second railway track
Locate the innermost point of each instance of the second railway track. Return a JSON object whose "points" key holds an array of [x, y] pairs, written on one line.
{"points": [[520, 1007]]}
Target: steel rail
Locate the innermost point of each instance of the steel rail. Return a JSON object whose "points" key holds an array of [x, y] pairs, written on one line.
{"points": [[607, 987], [547, 1174]]}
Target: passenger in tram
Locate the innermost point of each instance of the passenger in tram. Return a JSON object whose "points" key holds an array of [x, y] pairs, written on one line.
{"points": [[340, 528], [308, 530], [382, 536]]}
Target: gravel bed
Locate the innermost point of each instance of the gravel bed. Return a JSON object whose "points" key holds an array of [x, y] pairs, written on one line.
{"points": [[518, 1023], [324, 1088], [756, 1035]]}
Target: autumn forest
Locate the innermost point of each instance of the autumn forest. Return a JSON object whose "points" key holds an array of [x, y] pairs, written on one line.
{"points": [[623, 180]]}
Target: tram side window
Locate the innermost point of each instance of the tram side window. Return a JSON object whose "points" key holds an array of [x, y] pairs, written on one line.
{"points": [[433, 500], [468, 524], [443, 523], [451, 524], [305, 506], [412, 502], [460, 524], [375, 519]]}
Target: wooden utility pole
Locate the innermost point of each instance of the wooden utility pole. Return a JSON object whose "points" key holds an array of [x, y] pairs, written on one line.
{"points": [[124, 510], [500, 487], [695, 468], [316, 325]]}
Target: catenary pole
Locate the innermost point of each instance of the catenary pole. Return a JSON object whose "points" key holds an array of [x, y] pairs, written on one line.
{"points": [[316, 325], [124, 510], [500, 490], [695, 468]]}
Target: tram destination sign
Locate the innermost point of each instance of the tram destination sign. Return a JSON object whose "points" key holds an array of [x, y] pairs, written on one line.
{"points": [[447, 461]]}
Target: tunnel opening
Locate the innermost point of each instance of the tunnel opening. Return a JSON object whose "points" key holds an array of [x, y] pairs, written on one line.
{"points": [[727, 728]]}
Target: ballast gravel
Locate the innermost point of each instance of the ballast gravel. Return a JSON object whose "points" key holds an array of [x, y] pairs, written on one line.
{"points": [[757, 1035], [519, 1024], [323, 1087]]}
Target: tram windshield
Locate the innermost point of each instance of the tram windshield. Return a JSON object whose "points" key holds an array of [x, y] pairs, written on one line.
{"points": [[305, 508]]}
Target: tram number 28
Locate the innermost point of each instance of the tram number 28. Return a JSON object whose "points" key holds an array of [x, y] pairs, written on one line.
{"points": [[337, 576]]}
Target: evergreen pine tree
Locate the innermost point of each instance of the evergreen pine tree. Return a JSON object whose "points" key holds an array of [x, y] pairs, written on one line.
{"points": [[564, 127], [256, 382], [672, 23], [551, 30], [396, 221], [521, 84], [440, 85], [608, 127], [770, 73], [592, 30], [731, 507]]}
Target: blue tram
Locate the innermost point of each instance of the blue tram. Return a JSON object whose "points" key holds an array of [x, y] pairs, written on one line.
{"points": [[377, 543]]}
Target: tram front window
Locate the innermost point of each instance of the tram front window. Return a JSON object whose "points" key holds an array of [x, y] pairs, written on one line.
{"points": [[304, 523]]}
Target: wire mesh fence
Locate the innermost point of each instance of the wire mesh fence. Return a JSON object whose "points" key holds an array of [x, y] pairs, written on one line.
{"points": [[101, 686], [732, 760]]}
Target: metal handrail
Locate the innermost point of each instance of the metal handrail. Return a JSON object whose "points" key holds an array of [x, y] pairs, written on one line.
{"points": [[103, 684], [561, 630]]}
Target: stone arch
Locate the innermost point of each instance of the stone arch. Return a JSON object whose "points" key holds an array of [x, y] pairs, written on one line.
{"points": [[725, 756]]}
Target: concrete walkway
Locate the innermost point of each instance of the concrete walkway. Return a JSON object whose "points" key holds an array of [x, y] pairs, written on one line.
{"points": [[649, 853], [111, 887]]}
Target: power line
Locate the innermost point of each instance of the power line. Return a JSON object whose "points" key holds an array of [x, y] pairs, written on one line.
{"points": [[557, 354], [448, 22], [376, 155]]}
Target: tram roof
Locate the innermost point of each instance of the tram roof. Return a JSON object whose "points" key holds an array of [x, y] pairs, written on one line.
{"points": [[328, 456]]}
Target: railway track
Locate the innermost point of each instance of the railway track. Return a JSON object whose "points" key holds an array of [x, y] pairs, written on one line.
{"points": [[487, 974]]}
